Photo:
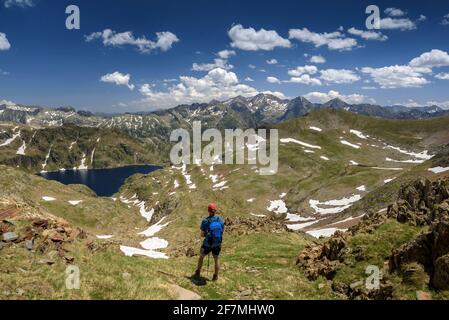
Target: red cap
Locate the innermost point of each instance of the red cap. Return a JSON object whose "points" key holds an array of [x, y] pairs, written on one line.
{"points": [[212, 207]]}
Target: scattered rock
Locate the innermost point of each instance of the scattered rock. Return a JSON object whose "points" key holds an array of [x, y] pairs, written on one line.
{"points": [[184, 294], [10, 236], [245, 293], [29, 244]]}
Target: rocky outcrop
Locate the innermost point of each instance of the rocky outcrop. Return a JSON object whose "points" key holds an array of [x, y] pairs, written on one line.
{"points": [[425, 203], [323, 260], [421, 203]]}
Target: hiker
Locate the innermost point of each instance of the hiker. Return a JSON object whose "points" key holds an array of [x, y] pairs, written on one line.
{"points": [[212, 229]]}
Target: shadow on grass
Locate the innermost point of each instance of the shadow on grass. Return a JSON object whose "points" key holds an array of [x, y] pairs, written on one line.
{"points": [[198, 281]]}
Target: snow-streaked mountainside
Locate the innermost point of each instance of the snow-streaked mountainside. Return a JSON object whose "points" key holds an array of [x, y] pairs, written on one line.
{"points": [[236, 112]]}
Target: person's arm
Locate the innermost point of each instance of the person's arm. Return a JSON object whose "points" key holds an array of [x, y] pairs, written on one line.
{"points": [[203, 229]]}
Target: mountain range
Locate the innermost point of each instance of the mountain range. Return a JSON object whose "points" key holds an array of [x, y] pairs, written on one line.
{"points": [[238, 112]]}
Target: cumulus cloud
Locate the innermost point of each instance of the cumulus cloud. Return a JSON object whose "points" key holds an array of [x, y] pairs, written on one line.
{"points": [[251, 40], [305, 79], [322, 97], [445, 20], [334, 40], [317, 59], [443, 76], [272, 61], [18, 3], [118, 78], [339, 76], [249, 79], [411, 75], [402, 24], [226, 54], [397, 76], [4, 43], [164, 42], [217, 84], [298, 71], [220, 62], [394, 12], [368, 35], [431, 59], [273, 80]]}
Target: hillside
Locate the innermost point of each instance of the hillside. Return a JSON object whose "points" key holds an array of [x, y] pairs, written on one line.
{"points": [[333, 167], [39, 149]]}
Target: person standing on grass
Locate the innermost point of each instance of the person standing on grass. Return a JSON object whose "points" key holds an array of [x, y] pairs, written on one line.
{"points": [[212, 229]]}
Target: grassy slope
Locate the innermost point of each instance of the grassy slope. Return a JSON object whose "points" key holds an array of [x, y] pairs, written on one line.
{"points": [[112, 148]]}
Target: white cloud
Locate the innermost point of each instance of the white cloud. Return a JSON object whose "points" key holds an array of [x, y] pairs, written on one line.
{"points": [[431, 59], [273, 80], [334, 40], [322, 97], [4, 43], [443, 76], [164, 42], [305, 79], [218, 84], [19, 3], [226, 54], [339, 76], [441, 104], [411, 75], [368, 35], [7, 102], [394, 12], [317, 59], [251, 40], [298, 71], [249, 79], [272, 61], [218, 63], [397, 76], [445, 20], [251, 66], [402, 24], [118, 78]]}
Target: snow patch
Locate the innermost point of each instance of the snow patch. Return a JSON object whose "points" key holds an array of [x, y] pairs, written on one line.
{"points": [[104, 237], [315, 129], [439, 169], [337, 206], [359, 134], [304, 144], [326, 232], [48, 199], [75, 202], [355, 146]]}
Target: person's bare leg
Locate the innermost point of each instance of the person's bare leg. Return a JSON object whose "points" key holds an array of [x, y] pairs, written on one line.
{"points": [[217, 267], [200, 263]]}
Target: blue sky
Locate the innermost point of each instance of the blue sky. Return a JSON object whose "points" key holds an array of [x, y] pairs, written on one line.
{"points": [[146, 55]]}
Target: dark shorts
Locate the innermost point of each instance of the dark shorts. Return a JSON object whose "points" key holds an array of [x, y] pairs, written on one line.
{"points": [[215, 250]]}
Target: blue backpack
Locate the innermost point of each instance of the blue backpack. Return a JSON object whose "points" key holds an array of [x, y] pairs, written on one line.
{"points": [[215, 233]]}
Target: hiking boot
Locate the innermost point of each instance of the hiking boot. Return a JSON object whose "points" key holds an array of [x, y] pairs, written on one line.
{"points": [[215, 277]]}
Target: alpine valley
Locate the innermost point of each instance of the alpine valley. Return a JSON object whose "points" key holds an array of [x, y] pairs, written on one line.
{"points": [[359, 187]]}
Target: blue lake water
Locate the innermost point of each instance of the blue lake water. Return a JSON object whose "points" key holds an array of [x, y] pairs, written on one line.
{"points": [[105, 182]]}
